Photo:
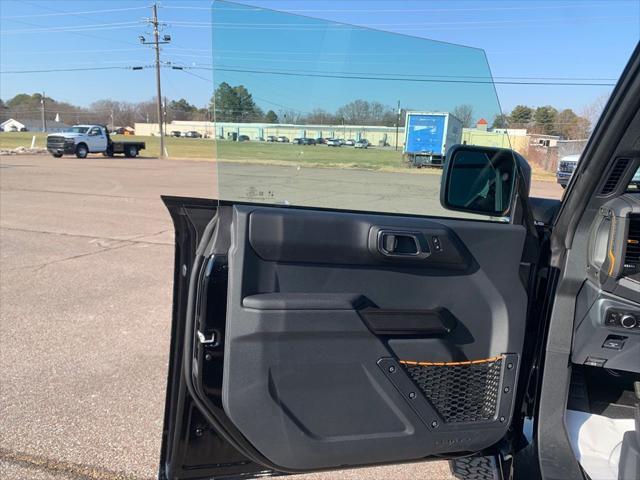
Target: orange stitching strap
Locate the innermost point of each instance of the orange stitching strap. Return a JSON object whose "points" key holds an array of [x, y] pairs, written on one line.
{"points": [[450, 364]]}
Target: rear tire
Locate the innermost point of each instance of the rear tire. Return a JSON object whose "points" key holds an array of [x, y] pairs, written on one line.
{"points": [[82, 151], [56, 155], [130, 151], [475, 468]]}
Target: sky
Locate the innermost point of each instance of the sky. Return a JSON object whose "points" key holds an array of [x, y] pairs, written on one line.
{"points": [[520, 43]]}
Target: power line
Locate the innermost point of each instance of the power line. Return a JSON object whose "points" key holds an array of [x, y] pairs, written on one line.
{"points": [[194, 74], [318, 26], [52, 70], [322, 24], [76, 28], [404, 74], [74, 13], [49, 52], [397, 79], [81, 34], [571, 5], [118, 63]]}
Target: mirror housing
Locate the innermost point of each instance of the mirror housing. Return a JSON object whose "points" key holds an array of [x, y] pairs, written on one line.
{"points": [[483, 180]]}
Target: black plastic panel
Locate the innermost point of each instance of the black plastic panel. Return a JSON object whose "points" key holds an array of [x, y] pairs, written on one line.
{"points": [[342, 238], [438, 322], [306, 301], [592, 344], [302, 380]]}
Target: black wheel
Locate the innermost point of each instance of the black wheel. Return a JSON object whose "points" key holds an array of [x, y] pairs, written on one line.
{"points": [[108, 152], [563, 186], [130, 151], [56, 155], [475, 468], [82, 151]]}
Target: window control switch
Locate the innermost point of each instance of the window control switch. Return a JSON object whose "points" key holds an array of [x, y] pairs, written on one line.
{"points": [[614, 342]]}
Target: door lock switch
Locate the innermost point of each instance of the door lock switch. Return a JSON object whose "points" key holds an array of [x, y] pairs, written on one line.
{"points": [[437, 246]]}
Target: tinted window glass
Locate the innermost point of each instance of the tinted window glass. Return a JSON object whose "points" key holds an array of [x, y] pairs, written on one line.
{"points": [[634, 185], [282, 77]]}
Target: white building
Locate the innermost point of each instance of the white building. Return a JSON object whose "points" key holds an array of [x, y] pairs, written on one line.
{"points": [[13, 125]]}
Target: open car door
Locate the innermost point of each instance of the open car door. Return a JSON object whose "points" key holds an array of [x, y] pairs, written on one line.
{"points": [[337, 330]]}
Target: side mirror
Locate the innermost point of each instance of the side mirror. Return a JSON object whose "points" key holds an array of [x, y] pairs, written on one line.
{"points": [[482, 180]]}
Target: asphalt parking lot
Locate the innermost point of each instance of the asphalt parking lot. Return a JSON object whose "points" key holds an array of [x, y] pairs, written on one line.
{"points": [[86, 251]]}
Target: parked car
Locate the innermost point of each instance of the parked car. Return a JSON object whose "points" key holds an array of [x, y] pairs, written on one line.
{"points": [[296, 141], [193, 134], [272, 138], [307, 141], [175, 133], [320, 141], [282, 139], [568, 164], [243, 138], [334, 142], [350, 142], [362, 143]]}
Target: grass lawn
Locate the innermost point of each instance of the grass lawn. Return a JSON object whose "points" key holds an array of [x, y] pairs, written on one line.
{"points": [[310, 155], [258, 152], [21, 139]]}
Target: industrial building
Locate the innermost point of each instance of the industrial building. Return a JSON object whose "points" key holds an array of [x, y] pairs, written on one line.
{"points": [[228, 131]]}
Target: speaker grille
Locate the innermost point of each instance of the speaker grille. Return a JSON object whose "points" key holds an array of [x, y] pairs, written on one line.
{"points": [[459, 391]]}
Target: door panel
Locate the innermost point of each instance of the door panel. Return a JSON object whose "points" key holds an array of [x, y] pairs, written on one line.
{"points": [[297, 345], [310, 385]]}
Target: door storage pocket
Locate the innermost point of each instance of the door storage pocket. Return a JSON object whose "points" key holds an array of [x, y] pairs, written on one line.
{"points": [[460, 392]]}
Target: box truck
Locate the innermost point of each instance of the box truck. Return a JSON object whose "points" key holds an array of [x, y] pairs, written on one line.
{"points": [[428, 137]]}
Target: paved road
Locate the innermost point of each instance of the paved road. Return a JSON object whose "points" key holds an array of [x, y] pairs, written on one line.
{"points": [[86, 252]]}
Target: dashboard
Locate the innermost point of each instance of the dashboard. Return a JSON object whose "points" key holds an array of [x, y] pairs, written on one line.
{"points": [[607, 327]]}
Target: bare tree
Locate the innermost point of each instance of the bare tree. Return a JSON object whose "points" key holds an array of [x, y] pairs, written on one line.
{"points": [[593, 111], [464, 113], [362, 112], [318, 116]]}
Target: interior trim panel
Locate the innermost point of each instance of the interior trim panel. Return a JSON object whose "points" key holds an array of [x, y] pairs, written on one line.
{"points": [[317, 316]]}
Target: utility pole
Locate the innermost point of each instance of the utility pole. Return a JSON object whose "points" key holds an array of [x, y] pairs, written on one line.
{"points": [[156, 43], [397, 125], [44, 119], [164, 113], [111, 119]]}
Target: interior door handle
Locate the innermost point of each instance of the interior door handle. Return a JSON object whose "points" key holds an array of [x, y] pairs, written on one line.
{"points": [[398, 243]]}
